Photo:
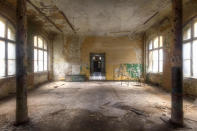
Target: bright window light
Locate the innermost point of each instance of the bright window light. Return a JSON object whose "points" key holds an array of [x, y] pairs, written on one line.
{"points": [[7, 49], [187, 33], [156, 55], [40, 54], [2, 28]]}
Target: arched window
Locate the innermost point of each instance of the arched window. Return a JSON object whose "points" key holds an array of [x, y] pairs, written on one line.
{"points": [[7, 49], [190, 49], [40, 54], [155, 51]]}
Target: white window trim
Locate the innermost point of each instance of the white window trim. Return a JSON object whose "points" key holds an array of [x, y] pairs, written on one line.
{"points": [[153, 49], [38, 48], [6, 40], [191, 40]]}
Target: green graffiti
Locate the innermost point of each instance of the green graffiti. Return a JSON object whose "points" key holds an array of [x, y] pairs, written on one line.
{"points": [[134, 70], [81, 68], [87, 68]]}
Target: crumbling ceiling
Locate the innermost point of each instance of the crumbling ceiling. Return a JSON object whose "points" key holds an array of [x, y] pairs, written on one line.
{"points": [[100, 17]]}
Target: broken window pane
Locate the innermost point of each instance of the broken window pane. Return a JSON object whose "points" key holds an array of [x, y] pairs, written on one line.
{"points": [[155, 66], [160, 66], [40, 65], [161, 60], [11, 32], [155, 61], [11, 51], [45, 45], [35, 54], [161, 54], [40, 42], [2, 28], [2, 58], [195, 29], [195, 58], [40, 55], [40, 60], [150, 45], [187, 68], [161, 41], [11, 67], [35, 41], [156, 42], [2, 67], [35, 66], [187, 51], [150, 61], [45, 60], [2, 49], [45, 66], [187, 33]]}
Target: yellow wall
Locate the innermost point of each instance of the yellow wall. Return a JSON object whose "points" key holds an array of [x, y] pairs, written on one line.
{"points": [[119, 52]]}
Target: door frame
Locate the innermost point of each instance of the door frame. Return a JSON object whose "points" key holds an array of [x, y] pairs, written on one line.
{"points": [[91, 66]]}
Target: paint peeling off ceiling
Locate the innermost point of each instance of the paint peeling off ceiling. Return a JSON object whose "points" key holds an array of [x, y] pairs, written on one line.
{"points": [[105, 17], [52, 12], [100, 17]]}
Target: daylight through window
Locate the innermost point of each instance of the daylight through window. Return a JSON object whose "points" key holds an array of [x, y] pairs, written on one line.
{"points": [[155, 51], [7, 49], [40, 54], [190, 50]]}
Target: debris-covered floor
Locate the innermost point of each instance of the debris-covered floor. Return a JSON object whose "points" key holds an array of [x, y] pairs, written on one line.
{"points": [[96, 106]]}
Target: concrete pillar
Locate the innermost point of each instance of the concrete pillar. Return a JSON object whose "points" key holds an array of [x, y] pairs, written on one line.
{"points": [[21, 63], [176, 67]]}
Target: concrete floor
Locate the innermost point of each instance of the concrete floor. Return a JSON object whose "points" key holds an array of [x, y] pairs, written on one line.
{"points": [[96, 106]]}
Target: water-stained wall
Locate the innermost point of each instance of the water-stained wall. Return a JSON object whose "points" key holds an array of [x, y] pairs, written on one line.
{"points": [[164, 28], [123, 56], [8, 84], [66, 55]]}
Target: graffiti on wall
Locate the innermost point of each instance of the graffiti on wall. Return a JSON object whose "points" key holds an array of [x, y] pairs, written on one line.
{"points": [[127, 71]]}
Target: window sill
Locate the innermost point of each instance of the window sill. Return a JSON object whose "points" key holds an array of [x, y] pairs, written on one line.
{"points": [[151, 73], [186, 78], [7, 78], [42, 72]]}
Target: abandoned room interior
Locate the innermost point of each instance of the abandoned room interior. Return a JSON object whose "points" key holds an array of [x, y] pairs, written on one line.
{"points": [[98, 65]]}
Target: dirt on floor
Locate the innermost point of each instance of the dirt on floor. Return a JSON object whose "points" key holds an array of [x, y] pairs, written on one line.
{"points": [[96, 106]]}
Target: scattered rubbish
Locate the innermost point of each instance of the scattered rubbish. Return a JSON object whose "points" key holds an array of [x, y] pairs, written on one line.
{"points": [[190, 119], [129, 108], [57, 112], [107, 103]]}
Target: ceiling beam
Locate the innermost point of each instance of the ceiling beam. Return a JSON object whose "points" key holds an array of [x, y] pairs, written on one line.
{"points": [[43, 14], [149, 19], [67, 20]]}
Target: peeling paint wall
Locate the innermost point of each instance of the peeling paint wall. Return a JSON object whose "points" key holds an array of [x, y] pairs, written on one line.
{"points": [[8, 84], [123, 56], [164, 28], [60, 65], [72, 54], [67, 56]]}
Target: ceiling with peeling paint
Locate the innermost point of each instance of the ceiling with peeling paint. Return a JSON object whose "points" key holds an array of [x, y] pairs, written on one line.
{"points": [[105, 17], [101, 17]]}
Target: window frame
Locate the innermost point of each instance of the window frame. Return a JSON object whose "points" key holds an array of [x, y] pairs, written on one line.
{"points": [[191, 41], [155, 49], [7, 41], [43, 50]]}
